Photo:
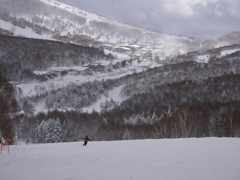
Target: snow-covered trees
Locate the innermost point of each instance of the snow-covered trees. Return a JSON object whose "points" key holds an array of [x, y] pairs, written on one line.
{"points": [[126, 135], [57, 126], [49, 131], [78, 96], [108, 105], [20, 56], [168, 102]]}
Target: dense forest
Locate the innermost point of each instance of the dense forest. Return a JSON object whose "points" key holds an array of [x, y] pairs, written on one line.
{"points": [[19, 56]]}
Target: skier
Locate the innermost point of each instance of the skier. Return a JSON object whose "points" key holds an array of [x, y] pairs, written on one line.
{"points": [[86, 139]]}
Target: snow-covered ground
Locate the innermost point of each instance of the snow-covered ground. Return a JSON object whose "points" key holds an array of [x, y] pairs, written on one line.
{"points": [[203, 58], [227, 52], [114, 94], [165, 159], [22, 32]]}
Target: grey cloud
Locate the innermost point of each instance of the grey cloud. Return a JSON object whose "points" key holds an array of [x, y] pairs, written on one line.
{"points": [[234, 7], [175, 16]]}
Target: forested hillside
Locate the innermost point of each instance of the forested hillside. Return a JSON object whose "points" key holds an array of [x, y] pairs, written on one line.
{"points": [[184, 68], [79, 96], [184, 109], [186, 99], [19, 57]]}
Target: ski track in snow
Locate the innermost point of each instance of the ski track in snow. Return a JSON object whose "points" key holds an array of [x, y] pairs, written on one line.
{"points": [[165, 159]]}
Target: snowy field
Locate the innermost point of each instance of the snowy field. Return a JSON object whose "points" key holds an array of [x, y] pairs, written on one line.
{"points": [[163, 159]]}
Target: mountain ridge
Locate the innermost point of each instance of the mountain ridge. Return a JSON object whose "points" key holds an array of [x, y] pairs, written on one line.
{"points": [[87, 22]]}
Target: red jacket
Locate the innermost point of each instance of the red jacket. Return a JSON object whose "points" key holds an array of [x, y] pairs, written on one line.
{"points": [[86, 139]]}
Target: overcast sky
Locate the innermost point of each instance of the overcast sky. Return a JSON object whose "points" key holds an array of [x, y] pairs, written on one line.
{"points": [[172, 16]]}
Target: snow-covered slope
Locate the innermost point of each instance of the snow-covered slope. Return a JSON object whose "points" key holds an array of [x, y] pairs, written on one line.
{"points": [[65, 22], [18, 31], [165, 159], [225, 40]]}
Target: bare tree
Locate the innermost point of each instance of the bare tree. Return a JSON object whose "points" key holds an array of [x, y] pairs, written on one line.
{"points": [[6, 93]]}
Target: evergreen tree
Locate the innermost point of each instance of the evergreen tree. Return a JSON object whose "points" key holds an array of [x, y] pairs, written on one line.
{"points": [[126, 134]]}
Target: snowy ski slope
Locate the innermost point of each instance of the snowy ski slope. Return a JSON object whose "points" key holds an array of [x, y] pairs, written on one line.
{"points": [[162, 159]]}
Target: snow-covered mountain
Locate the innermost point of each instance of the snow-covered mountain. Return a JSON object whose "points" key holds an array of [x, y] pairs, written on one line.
{"points": [[57, 19], [224, 40], [230, 38], [207, 33], [61, 21], [53, 19]]}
